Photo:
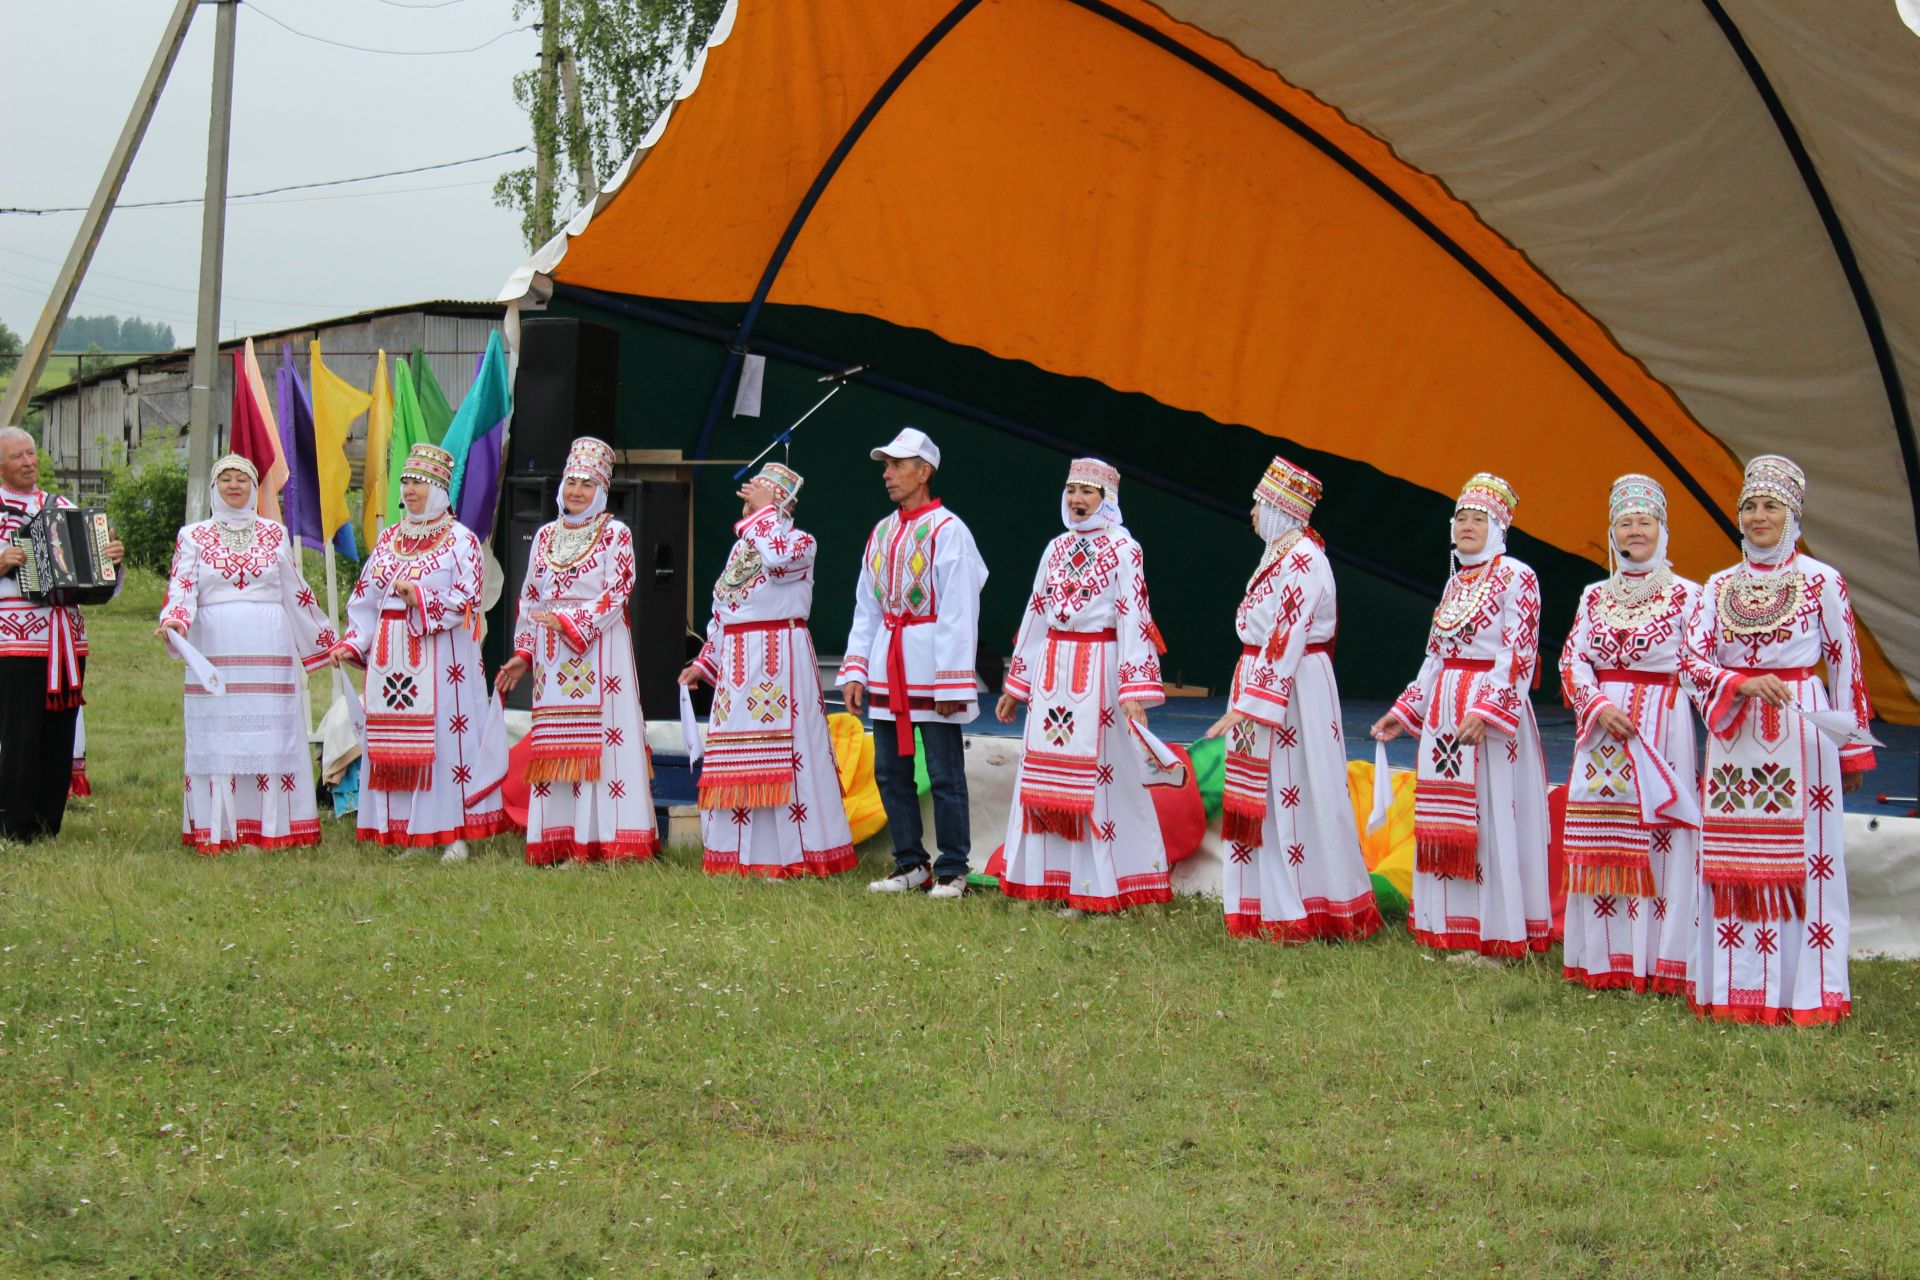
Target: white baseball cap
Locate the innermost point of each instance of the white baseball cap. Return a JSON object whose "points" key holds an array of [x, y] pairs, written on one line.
{"points": [[912, 442]]}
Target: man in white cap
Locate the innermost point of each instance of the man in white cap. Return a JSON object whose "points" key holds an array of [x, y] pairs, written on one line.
{"points": [[915, 622]]}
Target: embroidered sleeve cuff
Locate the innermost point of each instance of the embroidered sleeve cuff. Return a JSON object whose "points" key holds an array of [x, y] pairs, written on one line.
{"points": [[1264, 705], [349, 652], [524, 652], [1146, 694], [704, 665], [1017, 688], [1408, 715], [852, 669], [318, 659], [576, 637], [1497, 717], [1588, 714], [961, 682], [1724, 703], [1856, 759]]}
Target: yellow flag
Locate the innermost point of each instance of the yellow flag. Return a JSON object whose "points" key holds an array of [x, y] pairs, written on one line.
{"points": [[336, 403], [379, 434]]}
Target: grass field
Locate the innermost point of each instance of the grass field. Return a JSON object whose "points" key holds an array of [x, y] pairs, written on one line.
{"points": [[327, 1063]]}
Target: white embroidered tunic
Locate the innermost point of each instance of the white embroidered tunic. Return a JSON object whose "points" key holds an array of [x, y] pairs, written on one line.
{"points": [[916, 613], [1626, 655], [590, 797], [1301, 875], [427, 698], [1482, 655], [1773, 815], [1083, 829], [56, 635], [249, 612], [770, 786]]}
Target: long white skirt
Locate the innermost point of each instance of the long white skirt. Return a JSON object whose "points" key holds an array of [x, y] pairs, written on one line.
{"points": [[462, 799], [1307, 879], [808, 836], [1123, 861], [1505, 910], [248, 768], [611, 819], [1784, 970]]}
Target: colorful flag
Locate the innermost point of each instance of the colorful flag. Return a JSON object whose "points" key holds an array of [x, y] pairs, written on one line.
{"points": [[301, 502], [336, 403], [434, 409], [409, 429], [253, 435], [477, 439], [373, 503]]}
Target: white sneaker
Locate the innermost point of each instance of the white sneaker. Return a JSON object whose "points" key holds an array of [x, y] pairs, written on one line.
{"points": [[456, 852], [949, 887], [904, 882]]}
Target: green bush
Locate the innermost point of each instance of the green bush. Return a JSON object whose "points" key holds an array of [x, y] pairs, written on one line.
{"points": [[147, 504]]}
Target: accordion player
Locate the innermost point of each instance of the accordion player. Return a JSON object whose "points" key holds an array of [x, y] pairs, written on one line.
{"points": [[66, 560]]}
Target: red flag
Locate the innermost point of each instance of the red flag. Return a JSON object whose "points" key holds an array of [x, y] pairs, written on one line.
{"points": [[253, 434]]}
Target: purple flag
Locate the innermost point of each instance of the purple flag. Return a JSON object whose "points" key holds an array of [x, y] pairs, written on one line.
{"points": [[300, 500], [480, 494]]}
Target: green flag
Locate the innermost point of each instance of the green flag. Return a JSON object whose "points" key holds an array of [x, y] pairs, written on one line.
{"points": [[409, 429], [435, 412]]}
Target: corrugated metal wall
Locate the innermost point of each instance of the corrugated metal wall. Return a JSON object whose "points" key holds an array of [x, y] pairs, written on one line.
{"points": [[105, 423]]}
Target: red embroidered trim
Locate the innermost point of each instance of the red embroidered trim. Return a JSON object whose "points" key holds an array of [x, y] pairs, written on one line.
{"points": [[247, 836], [626, 846], [825, 862], [478, 827]]}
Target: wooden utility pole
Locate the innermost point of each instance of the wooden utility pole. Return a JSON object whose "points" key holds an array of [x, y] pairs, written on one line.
{"points": [[213, 235], [546, 122], [26, 374]]}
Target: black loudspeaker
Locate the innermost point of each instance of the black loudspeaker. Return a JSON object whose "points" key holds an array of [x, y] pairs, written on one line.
{"points": [[656, 512], [567, 385]]}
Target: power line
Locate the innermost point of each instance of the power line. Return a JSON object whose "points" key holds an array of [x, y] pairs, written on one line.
{"points": [[368, 195], [274, 191], [440, 4], [171, 288], [408, 53]]}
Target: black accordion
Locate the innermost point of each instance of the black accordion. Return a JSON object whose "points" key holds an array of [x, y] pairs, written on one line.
{"points": [[65, 563]]}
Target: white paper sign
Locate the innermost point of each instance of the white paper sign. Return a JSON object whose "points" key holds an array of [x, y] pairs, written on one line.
{"points": [[746, 396]]}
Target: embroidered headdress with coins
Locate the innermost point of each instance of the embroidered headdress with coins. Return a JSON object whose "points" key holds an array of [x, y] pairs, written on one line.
{"points": [[1466, 592], [1637, 590], [1103, 476]]}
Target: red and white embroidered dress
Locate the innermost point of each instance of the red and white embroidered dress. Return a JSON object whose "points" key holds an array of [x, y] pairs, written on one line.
{"points": [[1772, 800], [1305, 877], [1485, 666], [1639, 941], [249, 612], [770, 788], [427, 698], [590, 794], [1083, 829], [916, 619], [55, 635]]}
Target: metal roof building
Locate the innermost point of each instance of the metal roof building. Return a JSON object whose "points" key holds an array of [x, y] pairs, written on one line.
{"points": [[103, 419]]}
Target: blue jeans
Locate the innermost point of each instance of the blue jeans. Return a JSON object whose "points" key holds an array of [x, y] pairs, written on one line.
{"points": [[947, 777]]}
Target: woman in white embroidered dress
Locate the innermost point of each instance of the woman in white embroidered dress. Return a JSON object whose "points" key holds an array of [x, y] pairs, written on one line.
{"points": [[1083, 830], [436, 746], [591, 799], [1771, 946], [1631, 836], [1480, 796], [1294, 871], [769, 787], [236, 595]]}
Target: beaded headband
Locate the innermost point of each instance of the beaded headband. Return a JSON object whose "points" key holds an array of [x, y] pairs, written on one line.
{"points": [[1102, 475], [590, 459], [1293, 490], [786, 480], [1775, 477], [1488, 493], [234, 462], [429, 463], [1637, 495]]}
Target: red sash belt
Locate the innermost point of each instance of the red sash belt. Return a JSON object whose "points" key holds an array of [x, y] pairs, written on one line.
{"points": [[1467, 664], [1790, 674], [1318, 646], [1664, 679], [781, 624], [897, 700], [1095, 636]]}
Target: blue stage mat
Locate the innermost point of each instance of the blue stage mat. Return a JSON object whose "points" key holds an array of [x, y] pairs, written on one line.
{"points": [[1182, 720]]}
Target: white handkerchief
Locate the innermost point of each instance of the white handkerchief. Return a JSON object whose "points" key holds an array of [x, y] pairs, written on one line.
{"points": [[1164, 769], [689, 727], [1382, 788], [1840, 726], [1663, 801], [203, 671]]}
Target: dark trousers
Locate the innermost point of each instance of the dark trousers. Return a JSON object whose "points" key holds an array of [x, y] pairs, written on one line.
{"points": [[946, 777], [36, 752]]}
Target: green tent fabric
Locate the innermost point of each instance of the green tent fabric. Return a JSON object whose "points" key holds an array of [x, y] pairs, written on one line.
{"points": [[434, 409]]}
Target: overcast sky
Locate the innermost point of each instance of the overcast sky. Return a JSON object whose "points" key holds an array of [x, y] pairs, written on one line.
{"points": [[303, 111]]}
